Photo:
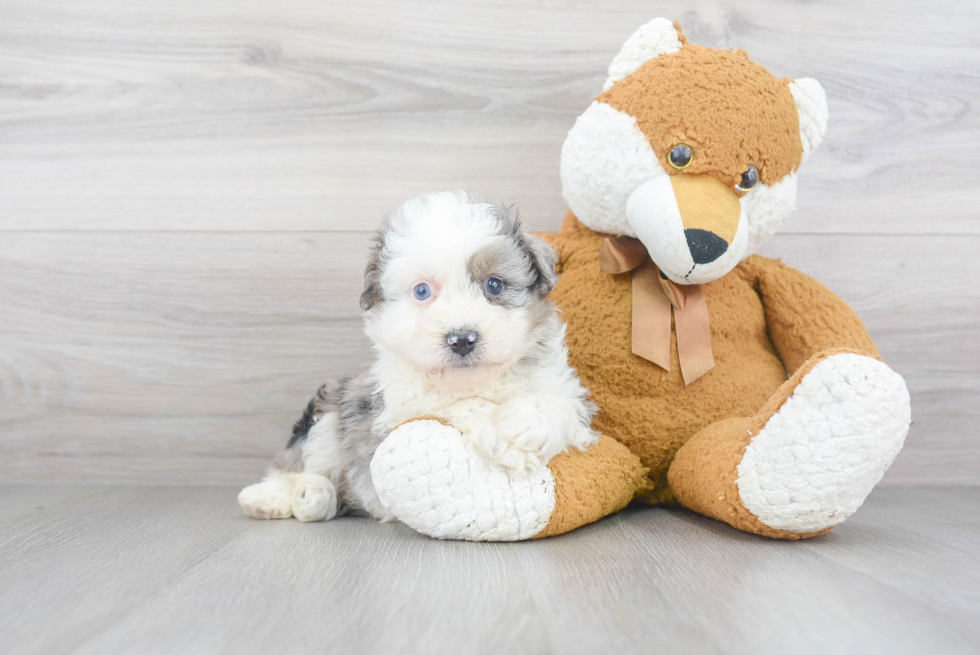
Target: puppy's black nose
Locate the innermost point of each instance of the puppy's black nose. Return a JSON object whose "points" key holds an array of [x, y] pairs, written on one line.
{"points": [[462, 342], [705, 246]]}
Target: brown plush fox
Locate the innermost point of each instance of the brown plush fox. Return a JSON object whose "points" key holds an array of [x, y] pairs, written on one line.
{"points": [[743, 389]]}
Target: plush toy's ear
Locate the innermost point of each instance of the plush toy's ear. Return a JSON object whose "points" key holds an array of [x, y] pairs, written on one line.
{"points": [[811, 103], [658, 37]]}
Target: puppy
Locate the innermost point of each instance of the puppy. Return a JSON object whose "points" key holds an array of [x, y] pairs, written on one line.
{"points": [[455, 302]]}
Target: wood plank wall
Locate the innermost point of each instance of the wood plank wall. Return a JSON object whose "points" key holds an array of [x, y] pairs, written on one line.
{"points": [[187, 189]]}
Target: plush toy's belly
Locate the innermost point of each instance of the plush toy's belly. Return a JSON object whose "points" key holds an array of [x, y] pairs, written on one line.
{"points": [[648, 409]]}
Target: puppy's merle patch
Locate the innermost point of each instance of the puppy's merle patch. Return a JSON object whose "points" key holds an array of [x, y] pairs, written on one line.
{"points": [[317, 407]]}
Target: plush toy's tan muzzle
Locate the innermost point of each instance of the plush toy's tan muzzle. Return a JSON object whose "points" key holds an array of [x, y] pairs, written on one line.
{"points": [[710, 212]]}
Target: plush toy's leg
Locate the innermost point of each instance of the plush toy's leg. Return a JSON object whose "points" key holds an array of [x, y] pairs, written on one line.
{"points": [[808, 460], [429, 478]]}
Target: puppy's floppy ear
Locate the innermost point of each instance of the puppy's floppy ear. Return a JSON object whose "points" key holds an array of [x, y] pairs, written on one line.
{"points": [[540, 254], [543, 260], [372, 293]]}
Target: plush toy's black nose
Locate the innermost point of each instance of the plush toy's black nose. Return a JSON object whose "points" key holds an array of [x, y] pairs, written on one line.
{"points": [[705, 246], [462, 342]]}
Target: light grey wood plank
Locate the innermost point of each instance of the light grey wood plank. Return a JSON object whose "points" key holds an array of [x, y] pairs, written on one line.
{"points": [[184, 358], [145, 547], [83, 565], [17, 501], [323, 115], [150, 570], [675, 579], [168, 357], [879, 547]]}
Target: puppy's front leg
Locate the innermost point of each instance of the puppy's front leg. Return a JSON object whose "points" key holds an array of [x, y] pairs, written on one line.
{"points": [[528, 430]]}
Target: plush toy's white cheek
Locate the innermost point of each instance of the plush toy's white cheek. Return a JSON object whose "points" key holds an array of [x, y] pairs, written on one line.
{"points": [[656, 221], [766, 208], [655, 218], [603, 160]]}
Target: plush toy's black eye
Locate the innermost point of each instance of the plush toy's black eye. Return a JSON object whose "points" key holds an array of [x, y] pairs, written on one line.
{"points": [[749, 178], [422, 291], [493, 286], [680, 156]]}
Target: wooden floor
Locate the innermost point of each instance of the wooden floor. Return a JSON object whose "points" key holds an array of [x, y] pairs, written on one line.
{"points": [[180, 570]]}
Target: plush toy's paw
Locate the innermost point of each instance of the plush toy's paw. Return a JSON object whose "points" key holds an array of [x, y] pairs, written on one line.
{"points": [[269, 499], [430, 479], [820, 455], [314, 498]]}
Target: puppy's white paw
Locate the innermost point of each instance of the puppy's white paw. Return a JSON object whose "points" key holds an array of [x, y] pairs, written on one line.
{"points": [[511, 457], [521, 437], [314, 498], [269, 499]]}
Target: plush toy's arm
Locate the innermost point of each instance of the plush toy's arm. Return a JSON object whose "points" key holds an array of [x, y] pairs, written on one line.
{"points": [[429, 478], [804, 317]]}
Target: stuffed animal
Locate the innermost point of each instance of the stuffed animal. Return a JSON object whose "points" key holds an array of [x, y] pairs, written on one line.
{"points": [[743, 389]]}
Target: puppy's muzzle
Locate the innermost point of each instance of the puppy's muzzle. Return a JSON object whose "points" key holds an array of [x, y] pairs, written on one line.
{"points": [[462, 342]]}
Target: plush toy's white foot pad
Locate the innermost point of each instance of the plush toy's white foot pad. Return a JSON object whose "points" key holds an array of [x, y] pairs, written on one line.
{"points": [[822, 453], [269, 499], [430, 479]]}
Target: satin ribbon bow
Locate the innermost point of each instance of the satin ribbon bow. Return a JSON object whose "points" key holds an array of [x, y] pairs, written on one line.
{"points": [[653, 299]]}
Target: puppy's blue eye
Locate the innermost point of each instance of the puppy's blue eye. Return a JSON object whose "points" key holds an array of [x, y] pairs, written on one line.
{"points": [[493, 286], [422, 291]]}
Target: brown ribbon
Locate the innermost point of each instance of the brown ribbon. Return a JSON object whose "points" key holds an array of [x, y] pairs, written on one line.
{"points": [[653, 299]]}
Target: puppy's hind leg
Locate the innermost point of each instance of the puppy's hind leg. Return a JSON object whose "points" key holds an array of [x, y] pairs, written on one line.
{"points": [[314, 496], [301, 482], [271, 498]]}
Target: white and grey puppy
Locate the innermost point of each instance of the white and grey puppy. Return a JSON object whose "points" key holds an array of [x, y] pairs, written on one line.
{"points": [[456, 308]]}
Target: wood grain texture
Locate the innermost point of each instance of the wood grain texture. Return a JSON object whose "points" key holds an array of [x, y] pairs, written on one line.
{"points": [[186, 191], [175, 357], [180, 570], [307, 115], [184, 358]]}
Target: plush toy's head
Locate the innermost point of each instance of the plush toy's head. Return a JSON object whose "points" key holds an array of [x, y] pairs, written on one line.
{"points": [[692, 150]]}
